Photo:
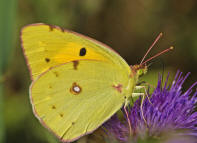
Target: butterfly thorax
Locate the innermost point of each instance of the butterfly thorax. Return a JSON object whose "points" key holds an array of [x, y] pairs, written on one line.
{"points": [[136, 72]]}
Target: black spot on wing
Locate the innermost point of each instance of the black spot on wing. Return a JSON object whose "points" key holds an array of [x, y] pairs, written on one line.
{"points": [[82, 52]]}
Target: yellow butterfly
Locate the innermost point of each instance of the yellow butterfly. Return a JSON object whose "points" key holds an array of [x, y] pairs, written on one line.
{"points": [[77, 83]]}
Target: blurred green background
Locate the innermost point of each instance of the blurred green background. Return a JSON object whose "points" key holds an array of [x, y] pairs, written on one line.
{"points": [[128, 26]]}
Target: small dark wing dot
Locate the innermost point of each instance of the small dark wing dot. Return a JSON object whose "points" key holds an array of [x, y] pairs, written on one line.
{"points": [[53, 107], [61, 115], [75, 64], [47, 60], [62, 29], [82, 52], [51, 27], [56, 73]]}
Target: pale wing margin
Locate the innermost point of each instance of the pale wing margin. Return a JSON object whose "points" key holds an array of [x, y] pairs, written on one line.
{"points": [[70, 116]]}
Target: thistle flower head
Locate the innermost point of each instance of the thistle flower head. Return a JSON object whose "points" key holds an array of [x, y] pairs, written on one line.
{"points": [[170, 110]]}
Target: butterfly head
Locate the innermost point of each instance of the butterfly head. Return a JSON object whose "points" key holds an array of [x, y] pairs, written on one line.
{"points": [[139, 70]]}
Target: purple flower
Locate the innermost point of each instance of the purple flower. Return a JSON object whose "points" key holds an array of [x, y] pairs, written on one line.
{"points": [[170, 111]]}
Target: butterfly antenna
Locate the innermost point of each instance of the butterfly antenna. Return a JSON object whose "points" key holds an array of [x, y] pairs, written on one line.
{"points": [[153, 44], [158, 54]]}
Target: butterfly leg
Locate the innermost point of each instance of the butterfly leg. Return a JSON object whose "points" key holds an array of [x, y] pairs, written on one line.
{"points": [[128, 120], [126, 112], [145, 83], [143, 98], [146, 93], [141, 106]]}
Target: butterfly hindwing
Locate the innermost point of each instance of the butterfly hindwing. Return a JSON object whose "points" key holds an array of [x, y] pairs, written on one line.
{"points": [[75, 98]]}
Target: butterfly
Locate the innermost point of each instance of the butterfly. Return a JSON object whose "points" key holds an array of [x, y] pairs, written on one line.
{"points": [[78, 83]]}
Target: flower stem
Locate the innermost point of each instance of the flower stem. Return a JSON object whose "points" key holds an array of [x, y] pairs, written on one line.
{"points": [[7, 32]]}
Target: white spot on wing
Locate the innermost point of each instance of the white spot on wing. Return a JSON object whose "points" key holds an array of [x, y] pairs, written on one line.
{"points": [[76, 89]]}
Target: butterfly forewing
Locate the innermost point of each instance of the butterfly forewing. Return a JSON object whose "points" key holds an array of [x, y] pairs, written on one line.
{"points": [[46, 46]]}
